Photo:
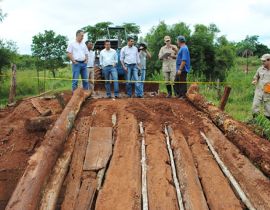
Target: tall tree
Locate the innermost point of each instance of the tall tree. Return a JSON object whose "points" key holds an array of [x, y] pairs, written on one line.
{"points": [[50, 50], [8, 50], [99, 31]]}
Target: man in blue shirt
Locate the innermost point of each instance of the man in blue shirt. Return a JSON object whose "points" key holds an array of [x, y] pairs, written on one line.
{"points": [[182, 67]]}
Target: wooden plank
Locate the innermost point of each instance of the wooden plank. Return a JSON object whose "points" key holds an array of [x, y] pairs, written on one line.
{"points": [[76, 169], [99, 148], [37, 106], [87, 192]]}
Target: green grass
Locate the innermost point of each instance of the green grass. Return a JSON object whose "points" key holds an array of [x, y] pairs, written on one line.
{"points": [[27, 83]]}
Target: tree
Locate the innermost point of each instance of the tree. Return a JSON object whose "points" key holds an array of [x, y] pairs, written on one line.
{"points": [[50, 50], [8, 51], [99, 31], [2, 15]]}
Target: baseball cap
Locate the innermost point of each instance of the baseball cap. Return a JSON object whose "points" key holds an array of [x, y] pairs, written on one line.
{"points": [[181, 38], [265, 57], [166, 38]]}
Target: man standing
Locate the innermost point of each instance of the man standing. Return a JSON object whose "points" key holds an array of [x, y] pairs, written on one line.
{"points": [[262, 92], [167, 54], [78, 54], [182, 67], [108, 60], [129, 57], [143, 54], [90, 64]]}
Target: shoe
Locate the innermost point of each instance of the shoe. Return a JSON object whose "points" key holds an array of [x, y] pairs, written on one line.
{"points": [[169, 96], [109, 97], [116, 97], [139, 96]]}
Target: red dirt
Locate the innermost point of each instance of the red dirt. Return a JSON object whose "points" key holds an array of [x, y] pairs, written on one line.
{"points": [[122, 184]]}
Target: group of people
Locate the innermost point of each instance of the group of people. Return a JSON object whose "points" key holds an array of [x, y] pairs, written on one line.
{"points": [[176, 65]]}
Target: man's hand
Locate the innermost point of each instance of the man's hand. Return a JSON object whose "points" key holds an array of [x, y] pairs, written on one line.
{"points": [[125, 68], [179, 72], [74, 62], [254, 82]]}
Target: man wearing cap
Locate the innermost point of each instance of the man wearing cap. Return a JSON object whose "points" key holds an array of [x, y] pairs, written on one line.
{"points": [[167, 54], [182, 67], [130, 60], [262, 91], [90, 64], [78, 54], [108, 60]]}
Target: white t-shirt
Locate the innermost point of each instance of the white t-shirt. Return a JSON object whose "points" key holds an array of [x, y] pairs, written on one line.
{"points": [[91, 59], [108, 57], [78, 50]]}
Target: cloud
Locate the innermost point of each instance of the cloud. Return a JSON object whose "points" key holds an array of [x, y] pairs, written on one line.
{"points": [[236, 19]]}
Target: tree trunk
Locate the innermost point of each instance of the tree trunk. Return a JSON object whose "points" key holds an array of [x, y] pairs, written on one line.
{"points": [[12, 91], [255, 148], [28, 191], [225, 97]]}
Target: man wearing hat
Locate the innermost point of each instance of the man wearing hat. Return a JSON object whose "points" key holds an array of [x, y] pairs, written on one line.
{"points": [[262, 91], [167, 54], [182, 67]]}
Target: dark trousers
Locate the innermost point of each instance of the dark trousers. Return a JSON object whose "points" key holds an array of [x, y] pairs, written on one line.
{"points": [[181, 88]]}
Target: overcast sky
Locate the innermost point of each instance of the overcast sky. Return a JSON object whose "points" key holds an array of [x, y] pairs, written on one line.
{"points": [[234, 18]]}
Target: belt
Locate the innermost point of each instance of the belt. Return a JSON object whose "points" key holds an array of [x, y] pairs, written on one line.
{"points": [[108, 66], [80, 61], [130, 63]]}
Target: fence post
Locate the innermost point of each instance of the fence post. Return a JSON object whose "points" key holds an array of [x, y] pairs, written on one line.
{"points": [[12, 90], [225, 97]]}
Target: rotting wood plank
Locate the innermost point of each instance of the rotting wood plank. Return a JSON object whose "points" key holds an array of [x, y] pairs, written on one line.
{"points": [[27, 194], [76, 169], [87, 191], [99, 149]]}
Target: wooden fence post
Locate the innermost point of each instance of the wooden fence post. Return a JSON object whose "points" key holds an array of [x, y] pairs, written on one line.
{"points": [[225, 97], [12, 91]]}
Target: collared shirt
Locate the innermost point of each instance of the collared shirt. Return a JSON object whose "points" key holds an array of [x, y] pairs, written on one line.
{"points": [[108, 57], [263, 77], [165, 51], [130, 55], [183, 55], [78, 50], [143, 56], [91, 59]]}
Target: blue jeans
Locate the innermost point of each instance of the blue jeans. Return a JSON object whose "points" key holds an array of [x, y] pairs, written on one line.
{"points": [[142, 78], [77, 69], [107, 72], [133, 74]]}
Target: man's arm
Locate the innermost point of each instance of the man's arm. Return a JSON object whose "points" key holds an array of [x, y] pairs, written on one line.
{"points": [[138, 60], [256, 78], [101, 59], [70, 56], [115, 58], [122, 57], [148, 54]]}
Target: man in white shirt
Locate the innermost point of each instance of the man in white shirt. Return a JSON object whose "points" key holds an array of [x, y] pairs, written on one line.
{"points": [[78, 54], [90, 64], [108, 60], [130, 60]]}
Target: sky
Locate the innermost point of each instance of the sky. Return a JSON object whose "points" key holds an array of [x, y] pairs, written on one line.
{"points": [[235, 18]]}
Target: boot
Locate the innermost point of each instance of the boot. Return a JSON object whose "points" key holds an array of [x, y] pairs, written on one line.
{"points": [[176, 92], [169, 91]]}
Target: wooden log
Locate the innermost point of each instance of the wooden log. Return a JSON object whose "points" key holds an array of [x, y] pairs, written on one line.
{"points": [[28, 191], [76, 169], [40, 123], [52, 190], [225, 97], [193, 196], [12, 90], [42, 110], [254, 147]]}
